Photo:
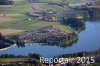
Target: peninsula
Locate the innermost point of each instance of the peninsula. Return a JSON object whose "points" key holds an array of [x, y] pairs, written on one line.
{"points": [[48, 35]]}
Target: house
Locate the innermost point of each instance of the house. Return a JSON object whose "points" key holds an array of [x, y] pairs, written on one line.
{"points": [[55, 19]]}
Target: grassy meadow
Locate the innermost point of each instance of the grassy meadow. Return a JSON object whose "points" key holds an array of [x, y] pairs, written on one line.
{"points": [[10, 60]]}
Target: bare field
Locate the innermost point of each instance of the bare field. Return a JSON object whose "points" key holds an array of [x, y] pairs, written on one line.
{"points": [[10, 15], [5, 19], [10, 31], [5, 6]]}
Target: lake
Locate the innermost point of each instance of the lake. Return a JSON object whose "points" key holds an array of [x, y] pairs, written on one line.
{"points": [[89, 40]]}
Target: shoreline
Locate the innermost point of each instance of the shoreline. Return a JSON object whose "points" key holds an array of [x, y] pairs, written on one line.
{"points": [[8, 47]]}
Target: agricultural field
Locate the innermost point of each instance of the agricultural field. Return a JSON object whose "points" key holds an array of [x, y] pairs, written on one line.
{"points": [[10, 60], [14, 17], [10, 31]]}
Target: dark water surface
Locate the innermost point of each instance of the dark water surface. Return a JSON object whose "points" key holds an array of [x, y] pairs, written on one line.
{"points": [[89, 40]]}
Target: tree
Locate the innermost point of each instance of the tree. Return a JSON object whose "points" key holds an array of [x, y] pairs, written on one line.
{"points": [[5, 2], [1, 35], [75, 23]]}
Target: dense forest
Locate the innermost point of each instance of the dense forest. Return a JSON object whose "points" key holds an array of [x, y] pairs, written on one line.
{"points": [[75, 23]]}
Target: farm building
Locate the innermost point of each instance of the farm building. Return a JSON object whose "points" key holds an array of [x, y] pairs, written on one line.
{"points": [[6, 2]]}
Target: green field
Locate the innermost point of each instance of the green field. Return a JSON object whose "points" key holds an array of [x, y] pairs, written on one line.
{"points": [[17, 7], [21, 22], [10, 60]]}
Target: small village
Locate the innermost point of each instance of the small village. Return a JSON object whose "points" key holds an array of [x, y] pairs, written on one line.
{"points": [[49, 35], [48, 11]]}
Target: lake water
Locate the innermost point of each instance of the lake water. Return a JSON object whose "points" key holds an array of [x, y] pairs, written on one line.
{"points": [[89, 40]]}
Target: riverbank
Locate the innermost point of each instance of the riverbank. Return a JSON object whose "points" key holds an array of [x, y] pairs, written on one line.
{"points": [[8, 47], [11, 59], [77, 58], [4, 42]]}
